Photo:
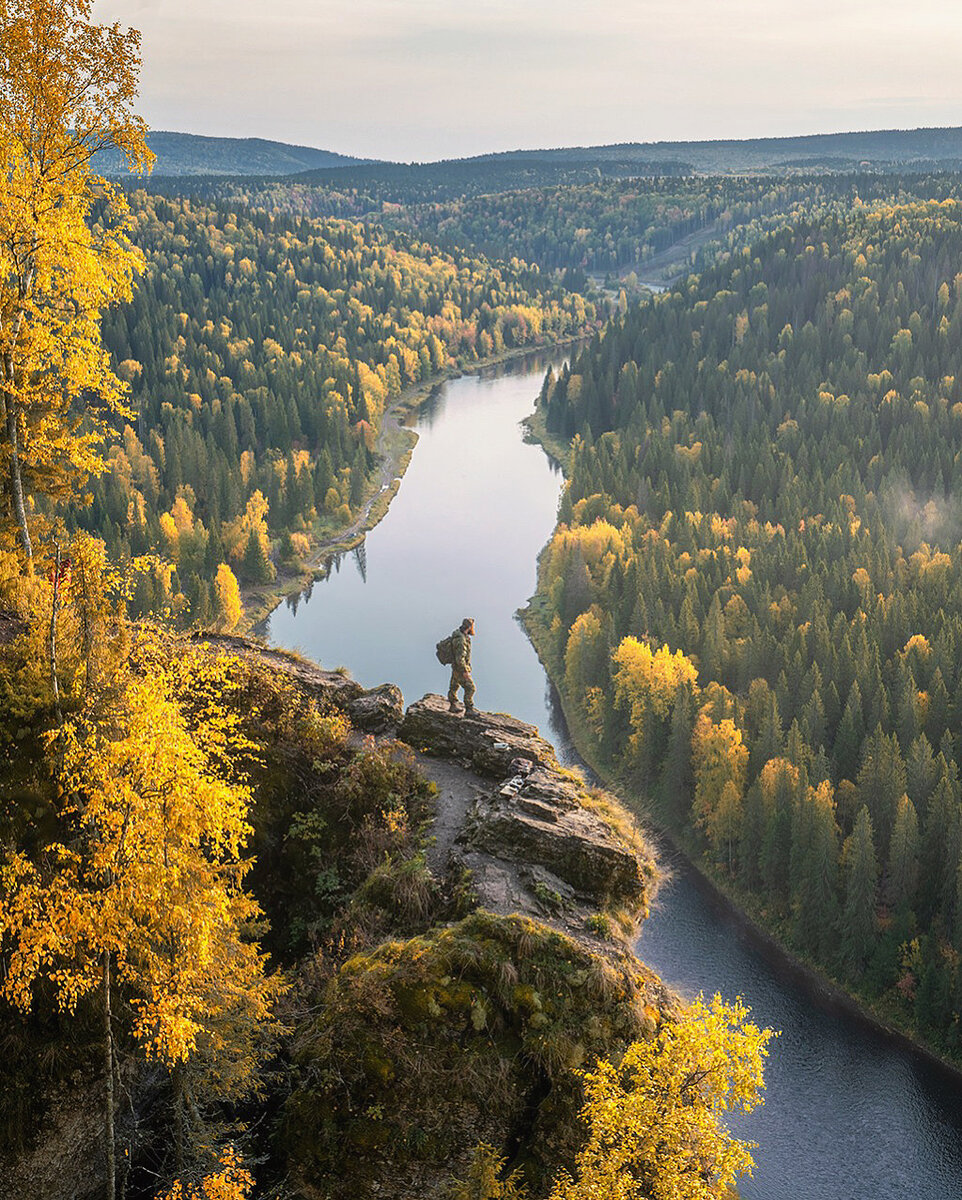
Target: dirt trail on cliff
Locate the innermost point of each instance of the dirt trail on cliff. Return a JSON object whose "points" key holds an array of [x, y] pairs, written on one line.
{"points": [[458, 790], [528, 836]]}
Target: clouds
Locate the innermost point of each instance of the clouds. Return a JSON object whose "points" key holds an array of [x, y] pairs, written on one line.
{"points": [[432, 78]]}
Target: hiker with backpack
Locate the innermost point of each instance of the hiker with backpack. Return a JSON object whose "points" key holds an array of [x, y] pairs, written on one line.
{"points": [[456, 652]]}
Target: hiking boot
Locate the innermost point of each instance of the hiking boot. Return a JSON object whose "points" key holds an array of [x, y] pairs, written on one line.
{"points": [[453, 706], [469, 708]]}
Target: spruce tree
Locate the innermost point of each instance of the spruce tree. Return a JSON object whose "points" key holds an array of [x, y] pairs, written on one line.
{"points": [[857, 927], [903, 865], [257, 566], [677, 781], [881, 782], [816, 904]]}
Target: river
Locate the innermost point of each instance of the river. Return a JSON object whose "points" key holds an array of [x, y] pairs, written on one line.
{"points": [[849, 1114]]}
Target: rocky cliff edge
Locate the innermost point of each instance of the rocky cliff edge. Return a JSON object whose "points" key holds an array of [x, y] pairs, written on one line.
{"points": [[535, 837]]}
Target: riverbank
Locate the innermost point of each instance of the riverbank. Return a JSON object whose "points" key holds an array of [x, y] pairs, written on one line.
{"points": [[747, 909], [536, 431], [394, 446]]}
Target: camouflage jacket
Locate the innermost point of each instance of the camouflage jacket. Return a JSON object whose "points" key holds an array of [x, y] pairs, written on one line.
{"points": [[461, 646]]}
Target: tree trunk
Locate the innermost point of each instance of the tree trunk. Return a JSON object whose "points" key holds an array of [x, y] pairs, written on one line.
{"points": [[55, 609], [86, 635], [16, 481], [111, 1148], [179, 1118], [11, 412]]}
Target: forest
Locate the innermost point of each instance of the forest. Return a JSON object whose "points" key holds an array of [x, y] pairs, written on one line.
{"points": [[261, 353], [752, 598], [579, 220], [353, 190], [228, 956]]}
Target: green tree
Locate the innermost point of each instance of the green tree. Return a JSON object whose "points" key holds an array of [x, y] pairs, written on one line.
{"points": [[851, 732], [940, 846], [816, 900], [677, 782], [256, 565], [858, 911], [881, 782], [903, 865]]}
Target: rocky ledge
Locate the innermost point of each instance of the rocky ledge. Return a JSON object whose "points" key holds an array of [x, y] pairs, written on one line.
{"points": [[536, 838], [533, 837]]}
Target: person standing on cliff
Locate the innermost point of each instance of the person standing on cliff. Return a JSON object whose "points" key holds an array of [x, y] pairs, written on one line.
{"points": [[461, 667]]}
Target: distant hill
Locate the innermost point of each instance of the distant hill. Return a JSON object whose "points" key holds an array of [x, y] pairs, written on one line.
{"points": [[191, 154], [208, 160], [914, 149], [497, 172], [358, 189]]}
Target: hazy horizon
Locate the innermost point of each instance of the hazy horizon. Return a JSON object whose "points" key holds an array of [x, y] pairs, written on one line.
{"points": [[424, 80], [759, 137]]}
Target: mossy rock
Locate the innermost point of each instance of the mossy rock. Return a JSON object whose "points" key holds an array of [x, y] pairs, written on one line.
{"points": [[467, 1033]]}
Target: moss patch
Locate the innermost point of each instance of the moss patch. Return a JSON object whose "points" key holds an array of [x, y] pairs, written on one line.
{"points": [[472, 1032]]}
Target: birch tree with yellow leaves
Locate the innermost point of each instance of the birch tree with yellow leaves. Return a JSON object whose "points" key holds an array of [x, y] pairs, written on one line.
{"points": [[67, 88], [656, 1121], [144, 894]]}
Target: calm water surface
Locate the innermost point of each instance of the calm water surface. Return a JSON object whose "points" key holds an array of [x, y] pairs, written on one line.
{"points": [[849, 1115]]}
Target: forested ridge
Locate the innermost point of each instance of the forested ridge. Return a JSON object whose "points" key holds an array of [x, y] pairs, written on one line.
{"points": [[261, 353], [614, 227], [588, 222], [354, 191], [582, 221], [753, 596]]}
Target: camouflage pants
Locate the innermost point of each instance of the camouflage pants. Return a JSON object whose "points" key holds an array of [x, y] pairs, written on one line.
{"points": [[461, 677]]}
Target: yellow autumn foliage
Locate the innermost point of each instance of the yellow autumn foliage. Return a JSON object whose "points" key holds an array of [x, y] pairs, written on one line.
{"points": [[649, 679], [719, 757], [252, 520], [655, 1120], [228, 597], [59, 267], [229, 1181], [154, 884]]}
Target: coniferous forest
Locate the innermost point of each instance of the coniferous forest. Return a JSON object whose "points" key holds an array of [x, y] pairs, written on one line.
{"points": [[753, 595], [261, 352]]}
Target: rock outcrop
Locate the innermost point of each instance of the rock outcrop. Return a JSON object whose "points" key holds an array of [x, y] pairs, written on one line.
{"points": [[377, 710], [500, 1009], [489, 742], [537, 839]]}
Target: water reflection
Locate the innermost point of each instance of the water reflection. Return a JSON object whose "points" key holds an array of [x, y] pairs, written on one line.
{"points": [[431, 408], [461, 539], [360, 560]]}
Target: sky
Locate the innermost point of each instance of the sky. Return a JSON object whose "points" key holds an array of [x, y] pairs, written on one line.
{"points": [[426, 79]]}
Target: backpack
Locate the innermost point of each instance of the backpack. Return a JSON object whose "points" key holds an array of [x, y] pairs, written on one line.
{"points": [[445, 651]]}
